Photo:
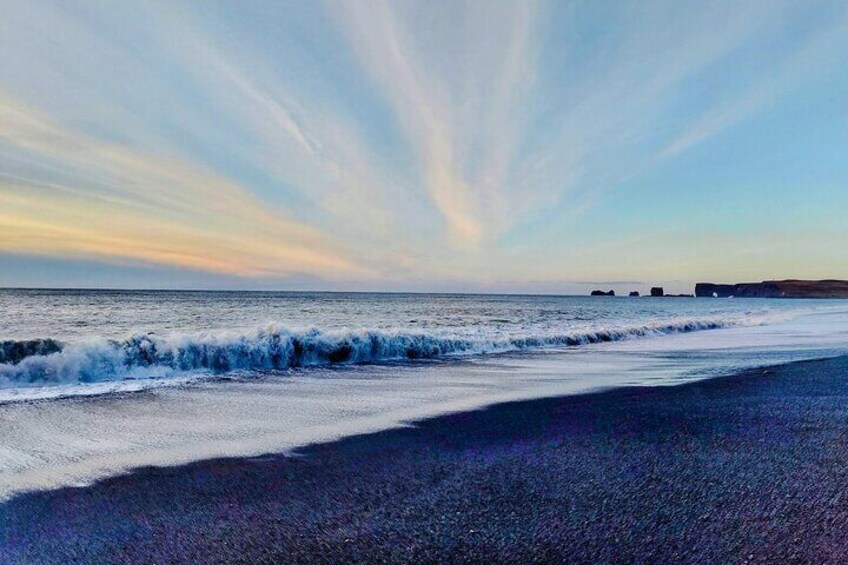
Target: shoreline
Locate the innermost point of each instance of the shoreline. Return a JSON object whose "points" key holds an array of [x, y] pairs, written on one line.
{"points": [[744, 467]]}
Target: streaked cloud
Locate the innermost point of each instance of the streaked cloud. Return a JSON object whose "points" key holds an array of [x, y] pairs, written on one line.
{"points": [[113, 203], [414, 144], [817, 52], [462, 115]]}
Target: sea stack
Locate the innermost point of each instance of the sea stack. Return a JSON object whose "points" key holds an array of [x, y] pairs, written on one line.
{"points": [[657, 291]]}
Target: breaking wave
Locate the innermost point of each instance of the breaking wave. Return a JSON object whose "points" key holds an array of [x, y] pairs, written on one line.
{"points": [[47, 362], [13, 352]]}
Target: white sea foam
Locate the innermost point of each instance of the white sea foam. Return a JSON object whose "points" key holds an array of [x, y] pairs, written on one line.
{"points": [[155, 358]]}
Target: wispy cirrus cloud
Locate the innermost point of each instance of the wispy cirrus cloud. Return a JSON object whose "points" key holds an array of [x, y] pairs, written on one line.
{"points": [[818, 51], [462, 115], [410, 142], [65, 194]]}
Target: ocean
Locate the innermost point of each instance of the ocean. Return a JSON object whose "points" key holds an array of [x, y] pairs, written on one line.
{"points": [[94, 383]]}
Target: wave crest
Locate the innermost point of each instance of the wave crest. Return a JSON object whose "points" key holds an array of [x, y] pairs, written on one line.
{"points": [[151, 355], [13, 352]]}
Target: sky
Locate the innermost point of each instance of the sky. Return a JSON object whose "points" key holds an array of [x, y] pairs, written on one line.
{"points": [[487, 146]]}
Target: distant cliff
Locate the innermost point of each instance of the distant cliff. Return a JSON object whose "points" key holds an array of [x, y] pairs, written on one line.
{"points": [[776, 289]]}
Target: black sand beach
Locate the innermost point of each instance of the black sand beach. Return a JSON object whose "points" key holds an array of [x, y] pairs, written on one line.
{"points": [[745, 468]]}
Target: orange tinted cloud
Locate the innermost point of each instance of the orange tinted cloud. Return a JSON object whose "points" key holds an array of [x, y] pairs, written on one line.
{"points": [[89, 198]]}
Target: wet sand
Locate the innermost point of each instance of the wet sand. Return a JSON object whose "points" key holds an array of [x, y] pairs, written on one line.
{"points": [[752, 467]]}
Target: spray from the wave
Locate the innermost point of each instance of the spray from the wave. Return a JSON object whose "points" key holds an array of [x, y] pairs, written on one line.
{"points": [[151, 355]]}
